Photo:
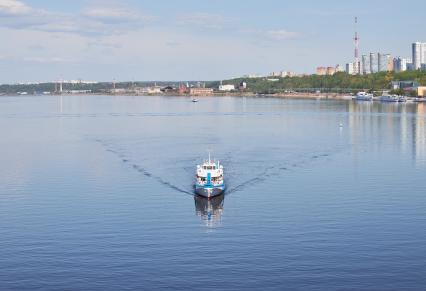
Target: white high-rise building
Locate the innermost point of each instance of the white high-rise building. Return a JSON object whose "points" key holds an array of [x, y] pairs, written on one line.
{"points": [[350, 68], [373, 63], [401, 64], [365, 64], [383, 62], [419, 54]]}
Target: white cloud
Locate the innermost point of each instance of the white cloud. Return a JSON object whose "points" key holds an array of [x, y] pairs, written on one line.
{"points": [[281, 34], [204, 21], [94, 20], [47, 60], [102, 38], [112, 14], [13, 7]]}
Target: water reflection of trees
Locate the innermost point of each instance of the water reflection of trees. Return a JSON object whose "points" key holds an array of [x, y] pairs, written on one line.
{"points": [[380, 124]]}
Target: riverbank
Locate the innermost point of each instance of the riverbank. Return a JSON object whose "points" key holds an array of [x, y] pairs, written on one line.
{"points": [[332, 96], [288, 95]]}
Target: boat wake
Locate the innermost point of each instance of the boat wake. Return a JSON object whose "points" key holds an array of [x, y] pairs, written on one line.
{"points": [[141, 169], [241, 169], [275, 170]]}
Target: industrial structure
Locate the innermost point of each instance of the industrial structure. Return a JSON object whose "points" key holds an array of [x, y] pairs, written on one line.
{"points": [[356, 64]]}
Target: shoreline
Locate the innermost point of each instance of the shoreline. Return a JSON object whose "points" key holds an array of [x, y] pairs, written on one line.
{"points": [[290, 96], [325, 96]]}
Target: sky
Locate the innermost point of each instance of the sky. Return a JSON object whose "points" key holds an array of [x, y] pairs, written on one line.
{"points": [[45, 40]]}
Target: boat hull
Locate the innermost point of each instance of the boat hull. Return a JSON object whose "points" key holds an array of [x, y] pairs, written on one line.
{"points": [[209, 191], [361, 98], [389, 99]]}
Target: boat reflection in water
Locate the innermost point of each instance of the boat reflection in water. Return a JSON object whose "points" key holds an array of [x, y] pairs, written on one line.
{"points": [[210, 210]]}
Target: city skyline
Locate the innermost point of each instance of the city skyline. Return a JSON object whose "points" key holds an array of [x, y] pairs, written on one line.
{"points": [[198, 40]]}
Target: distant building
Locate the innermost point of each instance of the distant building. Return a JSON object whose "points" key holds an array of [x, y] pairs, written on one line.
{"points": [[282, 74], [405, 85], [421, 91], [243, 85], [373, 63], [339, 68], [331, 70], [287, 74], [357, 68], [252, 76], [168, 89], [200, 91], [78, 91], [419, 54], [384, 62], [390, 67], [350, 68], [321, 71], [226, 87], [183, 89], [400, 64], [118, 91], [365, 64], [151, 90]]}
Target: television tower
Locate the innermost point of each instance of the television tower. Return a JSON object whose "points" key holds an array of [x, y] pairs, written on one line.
{"points": [[356, 51]]}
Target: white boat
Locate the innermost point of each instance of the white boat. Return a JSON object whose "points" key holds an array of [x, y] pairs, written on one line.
{"points": [[209, 179], [364, 96], [194, 100], [402, 99], [389, 98]]}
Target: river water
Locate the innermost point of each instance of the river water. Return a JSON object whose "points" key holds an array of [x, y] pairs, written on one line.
{"points": [[96, 193]]}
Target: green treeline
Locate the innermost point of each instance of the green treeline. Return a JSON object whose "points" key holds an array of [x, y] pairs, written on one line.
{"points": [[339, 82], [101, 87]]}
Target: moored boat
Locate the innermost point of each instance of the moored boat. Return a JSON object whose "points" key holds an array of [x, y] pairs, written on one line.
{"points": [[209, 180], [389, 98], [364, 96], [402, 99]]}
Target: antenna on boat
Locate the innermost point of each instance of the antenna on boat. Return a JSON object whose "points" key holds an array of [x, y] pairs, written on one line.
{"points": [[209, 156]]}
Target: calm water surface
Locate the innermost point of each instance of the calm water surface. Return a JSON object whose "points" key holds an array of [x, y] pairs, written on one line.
{"points": [[96, 194]]}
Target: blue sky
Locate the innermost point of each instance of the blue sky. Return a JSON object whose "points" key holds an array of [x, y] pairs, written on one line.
{"points": [[194, 39]]}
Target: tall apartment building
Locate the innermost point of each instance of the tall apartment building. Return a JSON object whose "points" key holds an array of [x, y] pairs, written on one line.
{"points": [[384, 62], [419, 54], [350, 68], [365, 64], [321, 71], [373, 63], [331, 71], [401, 64]]}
